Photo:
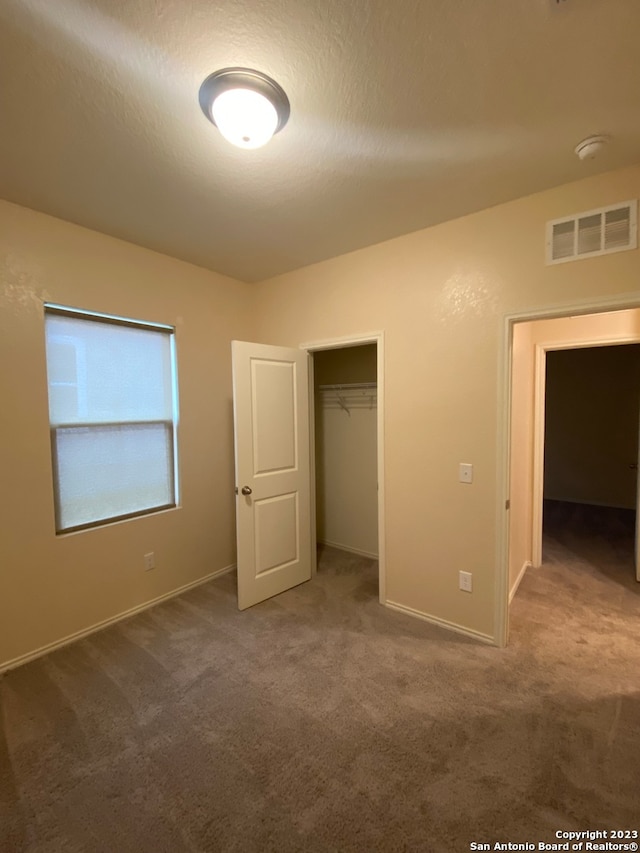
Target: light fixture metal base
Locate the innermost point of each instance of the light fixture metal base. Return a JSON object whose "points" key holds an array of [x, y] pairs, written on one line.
{"points": [[244, 78]]}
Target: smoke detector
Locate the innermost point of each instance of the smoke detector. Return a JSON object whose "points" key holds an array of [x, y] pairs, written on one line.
{"points": [[591, 147]]}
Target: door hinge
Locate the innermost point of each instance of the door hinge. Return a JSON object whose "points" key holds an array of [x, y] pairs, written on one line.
{"points": [[507, 504]]}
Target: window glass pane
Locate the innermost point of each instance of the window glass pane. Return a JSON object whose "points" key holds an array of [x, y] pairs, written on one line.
{"points": [[101, 372], [108, 471], [112, 413]]}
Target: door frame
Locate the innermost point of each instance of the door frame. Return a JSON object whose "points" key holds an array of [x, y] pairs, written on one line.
{"points": [[503, 433], [311, 347]]}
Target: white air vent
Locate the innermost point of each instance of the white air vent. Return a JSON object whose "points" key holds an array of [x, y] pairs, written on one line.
{"points": [[596, 232]]}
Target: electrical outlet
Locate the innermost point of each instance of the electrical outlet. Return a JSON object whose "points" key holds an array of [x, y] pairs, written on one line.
{"points": [[465, 472], [149, 561], [465, 581]]}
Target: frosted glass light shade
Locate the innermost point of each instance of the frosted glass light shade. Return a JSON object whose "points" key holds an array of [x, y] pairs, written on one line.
{"points": [[246, 106], [245, 118]]}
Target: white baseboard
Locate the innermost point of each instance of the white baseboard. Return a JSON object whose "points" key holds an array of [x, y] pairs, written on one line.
{"points": [[526, 565], [85, 632], [348, 549], [443, 623]]}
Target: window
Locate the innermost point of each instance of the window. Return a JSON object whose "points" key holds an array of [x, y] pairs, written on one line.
{"points": [[112, 411]]}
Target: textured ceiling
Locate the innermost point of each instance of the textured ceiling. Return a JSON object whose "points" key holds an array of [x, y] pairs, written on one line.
{"points": [[403, 114]]}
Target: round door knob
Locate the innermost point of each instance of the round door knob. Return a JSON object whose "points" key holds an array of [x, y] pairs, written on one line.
{"points": [[246, 490]]}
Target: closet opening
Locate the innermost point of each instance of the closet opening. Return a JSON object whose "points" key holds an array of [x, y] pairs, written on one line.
{"points": [[345, 454]]}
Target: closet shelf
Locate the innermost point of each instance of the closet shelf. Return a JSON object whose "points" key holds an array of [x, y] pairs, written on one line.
{"points": [[354, 395]]}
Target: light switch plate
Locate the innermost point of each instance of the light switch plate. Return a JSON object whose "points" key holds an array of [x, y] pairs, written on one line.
{"points": [[465, 581]]}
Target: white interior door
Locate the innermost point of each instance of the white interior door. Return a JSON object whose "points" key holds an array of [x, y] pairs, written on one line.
{"points": [[271, 419]]}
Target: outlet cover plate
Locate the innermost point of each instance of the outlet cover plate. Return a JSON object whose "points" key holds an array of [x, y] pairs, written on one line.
{"points": [[465, 472]]}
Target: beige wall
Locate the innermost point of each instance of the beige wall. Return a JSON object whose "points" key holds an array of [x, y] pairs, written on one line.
{"points": [[441, 296], [346, 453], [591, 425], [51, 587]]}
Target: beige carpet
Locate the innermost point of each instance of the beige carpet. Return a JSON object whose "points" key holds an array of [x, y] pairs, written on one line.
{"points": [[320, 721]]}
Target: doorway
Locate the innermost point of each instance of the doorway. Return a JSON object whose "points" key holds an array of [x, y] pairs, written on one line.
{"points": [[274, 417], [346, 482], [591, 450], [531, 341], [347, 448]]}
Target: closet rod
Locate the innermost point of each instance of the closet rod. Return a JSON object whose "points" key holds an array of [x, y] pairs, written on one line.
{"points": [[348, 387]]}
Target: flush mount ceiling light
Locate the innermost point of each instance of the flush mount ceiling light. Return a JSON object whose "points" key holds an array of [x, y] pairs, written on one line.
{"points": [[591, 147], [246, 106]]}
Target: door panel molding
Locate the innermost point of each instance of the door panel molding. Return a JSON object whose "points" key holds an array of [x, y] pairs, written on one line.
{"points": [[271, 428]]}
